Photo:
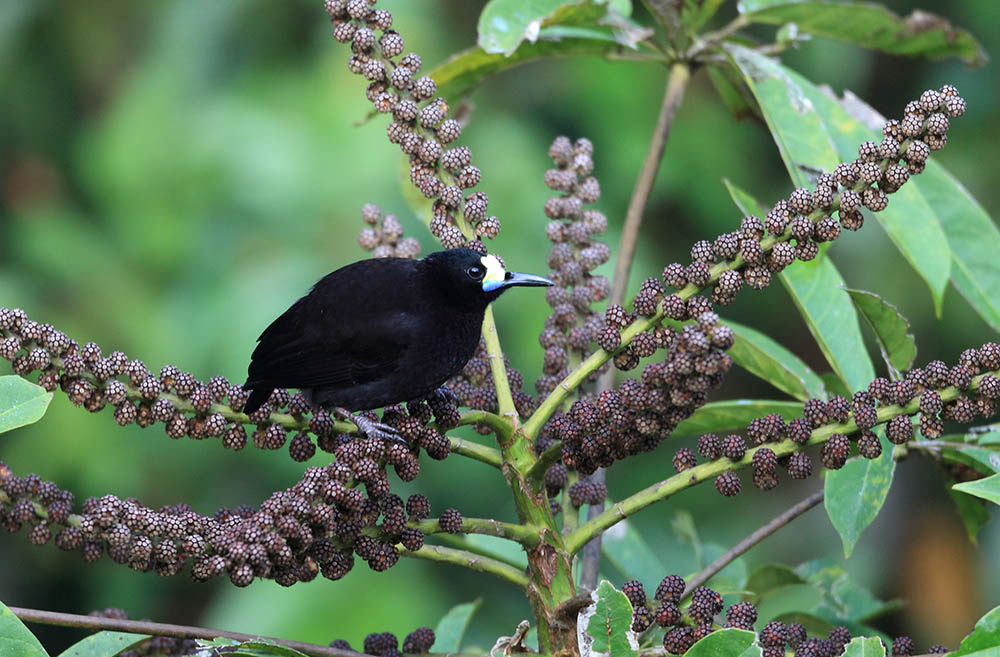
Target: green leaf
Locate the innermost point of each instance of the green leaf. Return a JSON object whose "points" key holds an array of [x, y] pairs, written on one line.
{"points": [[892, 330], [982, 459], [870, 25], [451, 628], [816, 288], [856, 603], [788, 599], [734, 415], [814, 132], [864, 647], [463, 71], [855, 494], [21, 402], [628, 551], [768, 360], [973, 238], [732, 578], [504, 24], [611, 623], [814, 624], [770, 577], [971, 510], [984, 639], [103, 644], [988, 488], [722, 643], [733, 92], [15, 639]]}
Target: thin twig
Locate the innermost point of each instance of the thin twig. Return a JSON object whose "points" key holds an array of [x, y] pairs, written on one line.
{"points": [[779, 521], [43, 617], [680, 74], [525, 535]]}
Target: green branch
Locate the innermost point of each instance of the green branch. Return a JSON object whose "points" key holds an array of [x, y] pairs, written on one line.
{"points": [[469, 560], [525, 535], [682, 480], [536, 475], [452, 540], [494, 354]]}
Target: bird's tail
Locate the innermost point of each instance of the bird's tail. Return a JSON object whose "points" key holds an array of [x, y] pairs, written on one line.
{"points": [[257, 398]]}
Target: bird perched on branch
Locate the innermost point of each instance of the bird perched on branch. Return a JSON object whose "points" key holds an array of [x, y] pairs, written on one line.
{"points": [[379, 332]]}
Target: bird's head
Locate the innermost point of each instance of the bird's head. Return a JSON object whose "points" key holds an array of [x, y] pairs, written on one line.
{"points": [[479, 278]]}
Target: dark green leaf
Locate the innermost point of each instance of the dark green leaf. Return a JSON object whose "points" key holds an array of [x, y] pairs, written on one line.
{"points": [[816, 289], [984, 639], [770, 577], [988, 488], [722, 643], [451, 628], [21, 402], [788, 599], [813, 623], [734, 415], [696, 14], [765, 358], [982, 459], [973, 238], [864, 647], [733, 92], [629, 552], [462, 72], [971, 510], [611, 622], [504, 24], [892, 330], [855, 493], [834, 385], [856, 603], [732, 578], [103, 644], [815, 133], [870, 25], [15, 639]]}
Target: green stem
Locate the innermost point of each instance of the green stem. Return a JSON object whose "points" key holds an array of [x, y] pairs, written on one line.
{"points": [[494, 354], [470, 560], [476, 451], [451, 540], [682, 480], [536, 474], [524, 535]]}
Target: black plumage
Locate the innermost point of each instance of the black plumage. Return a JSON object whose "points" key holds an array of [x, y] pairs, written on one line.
{"points": [[380, 331]]}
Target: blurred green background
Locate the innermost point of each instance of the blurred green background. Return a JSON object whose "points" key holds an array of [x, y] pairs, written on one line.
{"points": [[173, 174]]}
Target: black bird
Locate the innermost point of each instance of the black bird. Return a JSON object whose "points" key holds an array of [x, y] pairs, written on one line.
{"points": [[379, 332]]}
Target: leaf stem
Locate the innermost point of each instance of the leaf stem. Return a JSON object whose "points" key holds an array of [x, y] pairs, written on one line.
{"points": [[470, 560], [525, 535]]}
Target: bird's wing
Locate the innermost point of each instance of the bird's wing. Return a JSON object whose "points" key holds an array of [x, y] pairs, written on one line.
{"points": [[297, 354]]}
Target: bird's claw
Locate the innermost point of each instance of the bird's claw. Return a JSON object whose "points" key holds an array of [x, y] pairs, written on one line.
{"points": [[374, 429], [444, 393]]}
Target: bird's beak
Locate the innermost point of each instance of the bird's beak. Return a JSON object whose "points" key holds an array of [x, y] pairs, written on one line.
{"points": [[515, 279]]}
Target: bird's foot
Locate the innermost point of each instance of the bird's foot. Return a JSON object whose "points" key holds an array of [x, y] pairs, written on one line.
{"points": [[371, 428], [444, 393]]}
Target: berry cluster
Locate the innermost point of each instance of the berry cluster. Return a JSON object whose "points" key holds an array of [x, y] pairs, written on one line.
{"points": [[383, 236], [937, 393], [685, 625], [636, 416], [314, 527], [440, 170], [157, 646], [573, 325], [186, 406], [385, 644], [795, 227]]}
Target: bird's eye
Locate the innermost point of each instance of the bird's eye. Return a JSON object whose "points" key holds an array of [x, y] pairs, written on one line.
{"points": [[476, 272]]}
